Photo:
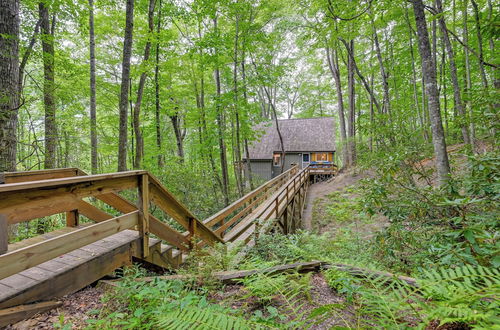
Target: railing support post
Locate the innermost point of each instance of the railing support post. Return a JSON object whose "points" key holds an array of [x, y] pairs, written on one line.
{"points": [[144, 213], [72, 218], [192, 232], [4, 235]]}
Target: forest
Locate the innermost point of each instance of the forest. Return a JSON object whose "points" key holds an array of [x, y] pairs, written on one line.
{"points": [[177, 87]]}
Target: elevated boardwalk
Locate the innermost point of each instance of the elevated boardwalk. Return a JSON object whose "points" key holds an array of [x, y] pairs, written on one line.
{"points": [[105, 230]]}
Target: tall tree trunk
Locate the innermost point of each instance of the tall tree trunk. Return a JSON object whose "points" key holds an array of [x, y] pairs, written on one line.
{"points": [[176, 124], [479, 34], [237, 163], [429, 72], [139, 141], [333, 64], [9, 81], [220, 129], [93, 112], [468, 82], [387, 102], [245, 97], [160, 158], [127, 53], [459, 106], [351, 130], [48, 85]]}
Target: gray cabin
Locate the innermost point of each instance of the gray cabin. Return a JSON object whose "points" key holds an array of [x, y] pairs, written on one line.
{"points": [[306, 141]]}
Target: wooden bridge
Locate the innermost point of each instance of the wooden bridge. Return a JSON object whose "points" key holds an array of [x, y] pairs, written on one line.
{"points": [[113, 219]]}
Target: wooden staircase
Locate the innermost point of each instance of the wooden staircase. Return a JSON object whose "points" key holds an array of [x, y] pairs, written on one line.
{"points": [[119, 230]]}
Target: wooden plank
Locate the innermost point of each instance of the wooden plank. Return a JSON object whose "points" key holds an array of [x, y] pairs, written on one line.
{"points": [[16, 261], [68, 181], [92, 212], [25, 204], [4, 234], [164, 200], [157, 227], [26, 176], [72, 279], [166, 233], [19, 313]]}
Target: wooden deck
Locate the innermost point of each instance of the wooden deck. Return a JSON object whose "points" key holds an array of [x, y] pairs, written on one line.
{"points": [[65, 260], [71, 271]]}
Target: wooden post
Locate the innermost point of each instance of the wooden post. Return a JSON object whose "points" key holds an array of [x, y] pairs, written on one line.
{"points": [[192, 232], [4, 235], [143, 207], [72, 218]]}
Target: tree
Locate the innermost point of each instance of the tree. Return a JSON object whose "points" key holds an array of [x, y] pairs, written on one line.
{"points": [[429, 72], [93, 112], [139, 141], [47, 28], [124, 89], [9, 80]]}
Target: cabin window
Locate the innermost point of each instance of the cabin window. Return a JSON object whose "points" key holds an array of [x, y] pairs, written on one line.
{"points": [[322, 157], [305, 158], [277, 159]]}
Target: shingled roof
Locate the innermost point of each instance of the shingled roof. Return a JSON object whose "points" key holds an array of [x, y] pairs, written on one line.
{"points": [[299, 135]]}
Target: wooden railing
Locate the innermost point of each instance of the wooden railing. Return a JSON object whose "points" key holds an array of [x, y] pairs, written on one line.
{"points": [[58, 191], [229, 217], [274, 205]]}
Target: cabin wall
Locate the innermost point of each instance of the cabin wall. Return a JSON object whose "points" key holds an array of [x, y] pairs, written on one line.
{"points": [[290, 158], [261, 169]]}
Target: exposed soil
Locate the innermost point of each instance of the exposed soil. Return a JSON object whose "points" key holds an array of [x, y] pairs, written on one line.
{"points": [[320, 190], [74, 311]]}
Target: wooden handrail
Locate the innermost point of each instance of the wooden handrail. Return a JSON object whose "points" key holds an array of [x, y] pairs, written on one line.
{"points": [[222, 214], [30, 256]]}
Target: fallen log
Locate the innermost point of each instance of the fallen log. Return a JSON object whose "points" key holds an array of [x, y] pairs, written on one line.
{"points": [[15, 314], [232, 276]]}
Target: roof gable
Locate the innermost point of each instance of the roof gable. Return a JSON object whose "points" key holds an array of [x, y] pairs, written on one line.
{"points": [[301, 135]]}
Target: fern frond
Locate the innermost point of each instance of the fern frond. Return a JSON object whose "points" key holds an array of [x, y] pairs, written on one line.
{"points": [[193, 317]]}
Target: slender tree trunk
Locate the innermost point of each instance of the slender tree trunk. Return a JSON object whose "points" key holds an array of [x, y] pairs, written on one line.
{"points": [[48, 86], [351, 129], [139, 141], [468, 82], [237, 163], [429, 72], [387, 102], [414, 82], [333, 64], [245, 97], [93, 112], [161, 158], [479, 34], [9, 82], [127, 53], [453, 74], [220, 127], [276, 121], [176, 124]]}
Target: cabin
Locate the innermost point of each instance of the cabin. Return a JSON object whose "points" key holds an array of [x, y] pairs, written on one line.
{"points": [[307, 141]]}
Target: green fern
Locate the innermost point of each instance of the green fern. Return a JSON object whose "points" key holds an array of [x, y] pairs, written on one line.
{"points": [[464, 294], [193, 317]]}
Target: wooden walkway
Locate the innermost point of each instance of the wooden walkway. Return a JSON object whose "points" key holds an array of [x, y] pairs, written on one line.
{"points": [[68, 259]]}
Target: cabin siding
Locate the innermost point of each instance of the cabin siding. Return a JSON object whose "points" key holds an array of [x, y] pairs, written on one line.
{"points": [[261, 169], [290, 158]]}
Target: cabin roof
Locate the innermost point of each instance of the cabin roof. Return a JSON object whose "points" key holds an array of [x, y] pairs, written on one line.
{"points": [[299, 135]]}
